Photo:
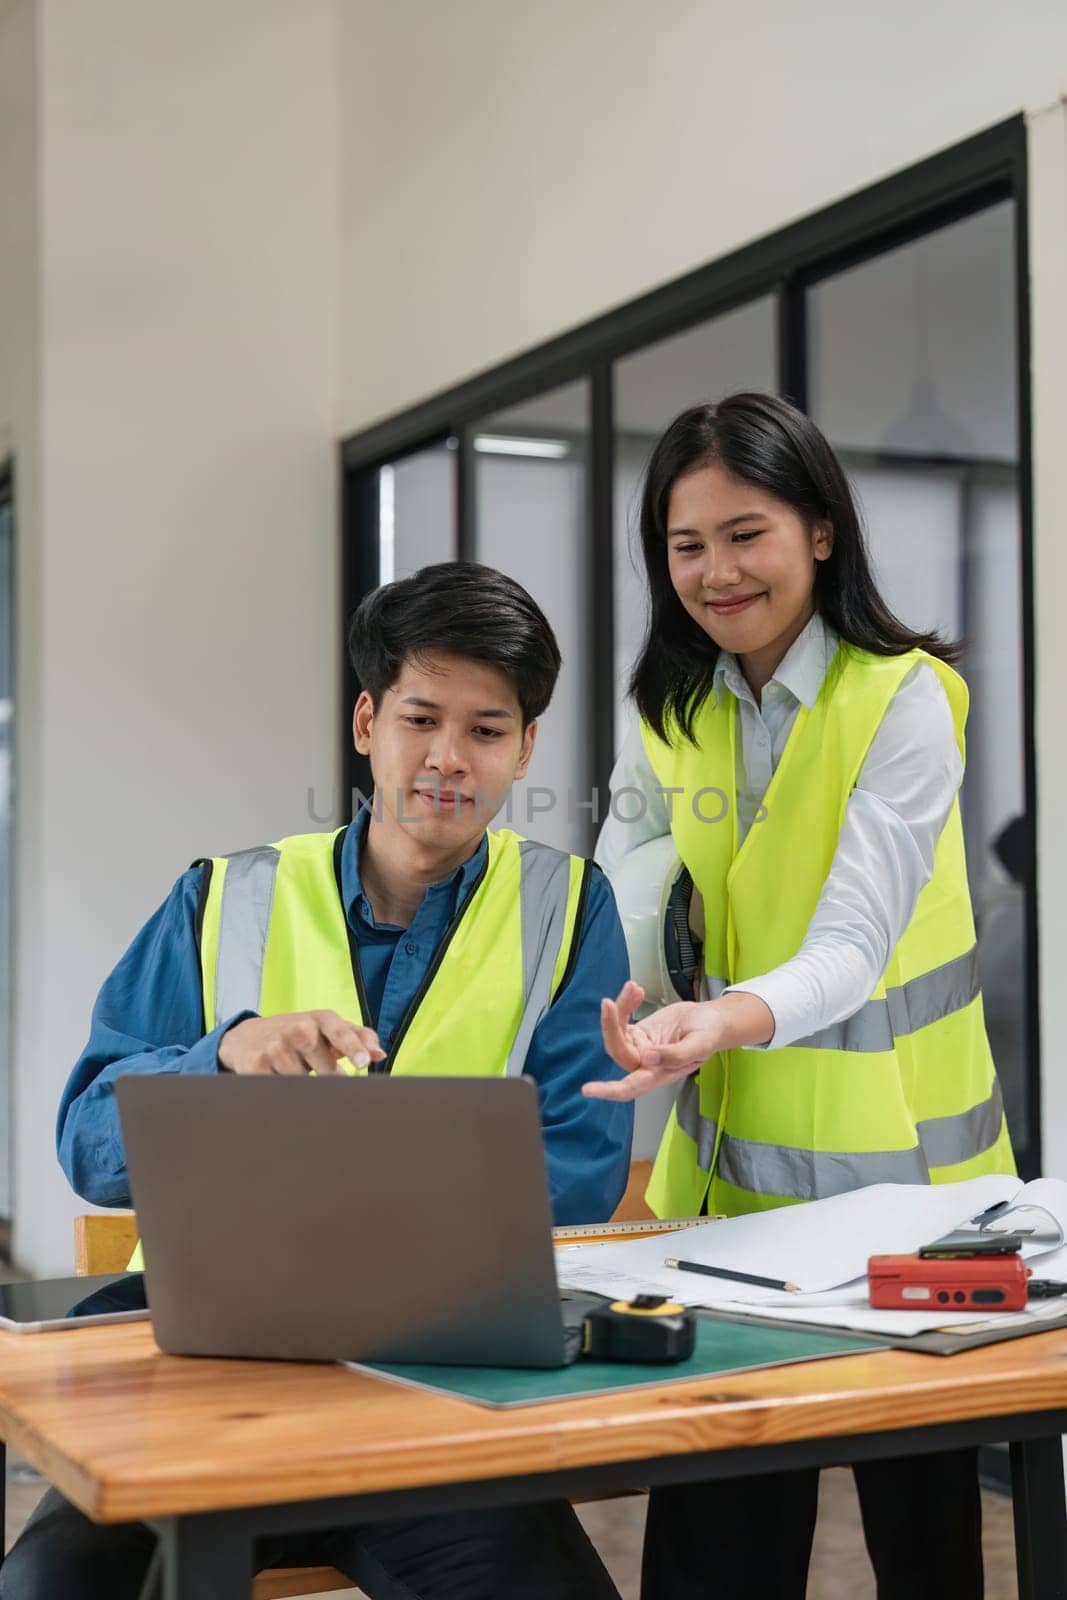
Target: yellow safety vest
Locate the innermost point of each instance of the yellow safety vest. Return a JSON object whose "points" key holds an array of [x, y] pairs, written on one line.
{"points": [[903, 1091], [274, 938]]}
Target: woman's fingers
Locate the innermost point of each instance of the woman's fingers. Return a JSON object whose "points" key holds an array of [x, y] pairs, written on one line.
{"points": [[615, 1025], [675, 1060], [640, 1079], [662, 1049], [637, 1082], [627, 1001], [629, 998], [618, 1041]]}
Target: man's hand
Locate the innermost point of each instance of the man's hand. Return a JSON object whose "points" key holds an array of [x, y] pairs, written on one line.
{"points": [[298, 1042], [670, 1044]]}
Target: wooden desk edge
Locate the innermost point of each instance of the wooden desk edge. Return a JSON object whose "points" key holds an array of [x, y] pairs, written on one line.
{"points": [[71, 1477], [777, 1405]]}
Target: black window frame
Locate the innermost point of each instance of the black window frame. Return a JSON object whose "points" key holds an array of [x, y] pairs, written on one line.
{"points": [[956, 183]]}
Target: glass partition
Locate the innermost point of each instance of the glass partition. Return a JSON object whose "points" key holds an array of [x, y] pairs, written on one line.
{"points": [[913, 372], [531, 521], [417, 511]]}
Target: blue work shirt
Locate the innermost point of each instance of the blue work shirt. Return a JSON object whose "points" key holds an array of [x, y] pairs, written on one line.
{"points": [[148, 1017]]}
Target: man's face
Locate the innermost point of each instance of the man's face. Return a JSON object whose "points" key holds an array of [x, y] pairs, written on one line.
{"points": [[445, 743]]}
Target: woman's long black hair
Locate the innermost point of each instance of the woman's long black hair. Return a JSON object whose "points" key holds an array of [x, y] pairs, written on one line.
{"points": [[764, 441]]}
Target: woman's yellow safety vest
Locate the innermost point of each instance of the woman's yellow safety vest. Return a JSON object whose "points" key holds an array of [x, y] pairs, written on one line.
{"points": [[903, 1091], [274, 938]]}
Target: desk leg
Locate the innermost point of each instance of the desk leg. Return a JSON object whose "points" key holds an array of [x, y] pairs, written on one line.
{"points": [[202, 1559], [1040, 1519]]}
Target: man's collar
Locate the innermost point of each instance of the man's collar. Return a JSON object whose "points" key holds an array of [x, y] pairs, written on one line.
{"points": [[801, 670], [351, 878]]}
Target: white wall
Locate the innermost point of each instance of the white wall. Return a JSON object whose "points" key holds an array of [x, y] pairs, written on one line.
{"points": [[19, 355], [18, 226], [187, 630], [510, 171], [20, 437], [1048, 277]]}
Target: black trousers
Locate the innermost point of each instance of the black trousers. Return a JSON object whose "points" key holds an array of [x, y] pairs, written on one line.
{"points": [[536, 1552], [750, 1538]]}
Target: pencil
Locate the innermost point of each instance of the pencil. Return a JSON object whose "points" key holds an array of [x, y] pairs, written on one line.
{"points": [[726, 1272]]}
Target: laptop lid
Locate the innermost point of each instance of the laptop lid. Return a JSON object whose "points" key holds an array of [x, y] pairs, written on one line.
{"points": [[336, 1218]]}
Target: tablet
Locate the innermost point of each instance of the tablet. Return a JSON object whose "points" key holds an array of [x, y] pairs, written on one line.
{"points": [[49, 1303]]}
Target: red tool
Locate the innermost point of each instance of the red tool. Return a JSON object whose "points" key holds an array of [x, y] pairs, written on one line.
{"points": [[964, 1283]]}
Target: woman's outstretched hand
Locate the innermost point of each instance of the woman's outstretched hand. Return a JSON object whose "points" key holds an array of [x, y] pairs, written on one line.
{"points": [[665, 1047], [670, 1044]]}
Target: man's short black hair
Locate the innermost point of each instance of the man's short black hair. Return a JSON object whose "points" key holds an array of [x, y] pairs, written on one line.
{"points": [[456, 608]]}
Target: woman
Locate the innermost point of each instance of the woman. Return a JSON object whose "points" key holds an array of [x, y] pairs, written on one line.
{"points": [[805, 749]]}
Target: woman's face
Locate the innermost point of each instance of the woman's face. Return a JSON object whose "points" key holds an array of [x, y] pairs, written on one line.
{"points": [[743, 565]]}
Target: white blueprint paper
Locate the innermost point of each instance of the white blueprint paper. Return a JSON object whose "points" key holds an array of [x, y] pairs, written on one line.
{"points": [[822, 1247]]}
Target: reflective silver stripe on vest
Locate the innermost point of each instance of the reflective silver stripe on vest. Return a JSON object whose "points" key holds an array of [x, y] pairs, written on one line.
{"points": [[712, 987], [544, 886], [244, 917], [904, 1010], [948, 1140], [813, 1174], [700, 1129]]}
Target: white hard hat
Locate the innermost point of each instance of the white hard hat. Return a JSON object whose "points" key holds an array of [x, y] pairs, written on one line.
{"points": [[654, 891]]}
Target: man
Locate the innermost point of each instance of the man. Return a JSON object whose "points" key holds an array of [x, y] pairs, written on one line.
{"points": [[412, 941]]}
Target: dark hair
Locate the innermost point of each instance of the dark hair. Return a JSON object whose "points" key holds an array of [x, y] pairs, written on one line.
{"points": [[456, 608], [761, 440]]}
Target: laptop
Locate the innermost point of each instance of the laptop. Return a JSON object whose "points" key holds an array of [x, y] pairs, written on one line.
{"points": [[354, 1219]]}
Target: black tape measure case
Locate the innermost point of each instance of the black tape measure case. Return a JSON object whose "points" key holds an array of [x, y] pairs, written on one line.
{"points": [[646, 1329]]}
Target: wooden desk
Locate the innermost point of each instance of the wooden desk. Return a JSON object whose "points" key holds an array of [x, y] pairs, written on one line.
{"points": [[214, 1453]]}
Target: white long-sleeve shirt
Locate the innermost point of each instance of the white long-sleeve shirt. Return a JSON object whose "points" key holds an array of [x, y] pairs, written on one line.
{"points": [[885, 850]]}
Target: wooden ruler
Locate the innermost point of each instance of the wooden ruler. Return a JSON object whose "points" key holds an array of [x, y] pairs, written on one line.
{"points": [[645, 1228]]}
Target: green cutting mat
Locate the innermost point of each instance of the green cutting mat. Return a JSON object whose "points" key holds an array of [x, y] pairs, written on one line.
{"points": [[721, 1347]]}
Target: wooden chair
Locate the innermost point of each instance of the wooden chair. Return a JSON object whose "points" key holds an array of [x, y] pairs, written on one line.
{"points": [[104, 1242], [632, 1208]]}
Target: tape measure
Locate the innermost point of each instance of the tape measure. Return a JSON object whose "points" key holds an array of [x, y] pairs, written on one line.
{"points": [[645, 1329], [648, 1227]]}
